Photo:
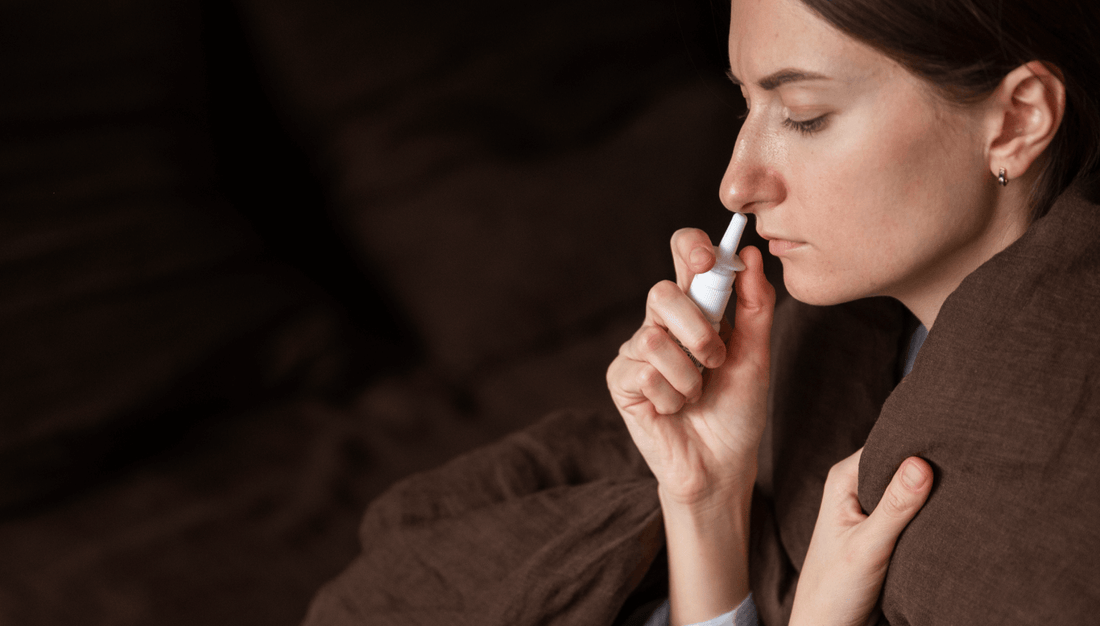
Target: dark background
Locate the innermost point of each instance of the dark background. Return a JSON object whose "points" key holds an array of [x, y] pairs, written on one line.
{"points": [[258, 260]]}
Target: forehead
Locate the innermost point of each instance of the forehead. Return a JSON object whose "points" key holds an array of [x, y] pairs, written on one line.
{"points": [[767, 36]]}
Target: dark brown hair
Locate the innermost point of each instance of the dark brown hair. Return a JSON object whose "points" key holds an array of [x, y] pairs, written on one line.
{"points": [[966, 47]]}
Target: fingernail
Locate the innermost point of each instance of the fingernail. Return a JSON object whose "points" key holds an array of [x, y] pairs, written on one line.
{"points": [[912, 476], [699, 256]]}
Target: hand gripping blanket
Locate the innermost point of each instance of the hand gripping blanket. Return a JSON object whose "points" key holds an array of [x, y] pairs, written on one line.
{"points": [[1003, 401], [559, 524]]}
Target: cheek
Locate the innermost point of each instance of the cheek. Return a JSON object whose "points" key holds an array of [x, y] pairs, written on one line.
{"points": [[885, 177], [871, 196], [845, 188]]}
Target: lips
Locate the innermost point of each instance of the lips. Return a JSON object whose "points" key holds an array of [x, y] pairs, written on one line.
{"points": [[779, 246]]}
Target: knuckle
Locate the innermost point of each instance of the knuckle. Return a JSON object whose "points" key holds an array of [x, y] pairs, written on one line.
{"points": [[612, 375], [661, 294], [695, 387], [835, 474], [685, 240], [762, 304], [699, 341], [669, 406], [835, 483], [680, 237], [768, 295], [651, 339], [649, 378], [895, 504], [624, 349]]}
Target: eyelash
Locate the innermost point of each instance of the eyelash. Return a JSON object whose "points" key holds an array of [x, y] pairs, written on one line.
{"points": [[806, 128]]}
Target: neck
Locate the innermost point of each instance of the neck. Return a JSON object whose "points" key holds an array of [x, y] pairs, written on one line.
{"points": [[926, 294]]}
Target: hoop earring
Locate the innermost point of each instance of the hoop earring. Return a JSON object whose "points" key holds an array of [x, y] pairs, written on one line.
{"points": [[1002, 177]]}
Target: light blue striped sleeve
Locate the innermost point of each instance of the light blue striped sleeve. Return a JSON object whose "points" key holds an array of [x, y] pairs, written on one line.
{"points": [[743, 615]]}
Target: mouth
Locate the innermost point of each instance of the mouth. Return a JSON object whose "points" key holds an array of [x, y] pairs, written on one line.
{"points": [[780, 246]]}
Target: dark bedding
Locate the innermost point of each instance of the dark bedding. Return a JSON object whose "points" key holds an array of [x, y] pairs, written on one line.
{"points": [[261, 261], [555, 525], [1001, 401]]}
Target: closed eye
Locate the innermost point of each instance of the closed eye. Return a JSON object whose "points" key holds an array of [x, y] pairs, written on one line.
{"points": [[807, 127]]}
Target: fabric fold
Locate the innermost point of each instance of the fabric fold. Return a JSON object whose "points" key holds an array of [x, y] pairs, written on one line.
{"points": [[1002, 401], [557, 524]]}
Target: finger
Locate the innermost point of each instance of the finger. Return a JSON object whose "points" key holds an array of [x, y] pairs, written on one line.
{"points": [[641, 383], [670, 308], [692, 253], [840, 499], [904, 496], [652, 345], [753, 312]]}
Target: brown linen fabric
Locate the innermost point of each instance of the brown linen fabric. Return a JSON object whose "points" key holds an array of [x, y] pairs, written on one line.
{"points": [[553, 525], [832, 368], [556, 524], [1002, 401]]}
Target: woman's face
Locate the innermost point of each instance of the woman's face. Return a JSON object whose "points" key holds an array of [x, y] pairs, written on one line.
{"points": [[864, 182]]}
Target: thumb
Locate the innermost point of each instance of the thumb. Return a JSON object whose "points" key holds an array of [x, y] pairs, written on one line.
{"points": [[904, 496], [753, 310]]}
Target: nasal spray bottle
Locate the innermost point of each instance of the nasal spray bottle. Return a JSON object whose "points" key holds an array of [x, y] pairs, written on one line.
{"points": [[711, 291]]}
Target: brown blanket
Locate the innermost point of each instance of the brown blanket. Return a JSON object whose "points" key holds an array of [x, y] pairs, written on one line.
{"points": [[1003, 401], [553, 525], [557, 524]]}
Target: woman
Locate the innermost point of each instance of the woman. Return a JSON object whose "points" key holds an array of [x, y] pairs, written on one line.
{"points": [[915, 149], [890, 149]]}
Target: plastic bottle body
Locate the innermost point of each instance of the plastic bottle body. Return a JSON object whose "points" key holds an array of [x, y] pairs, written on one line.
{"points": [[711, 291]]}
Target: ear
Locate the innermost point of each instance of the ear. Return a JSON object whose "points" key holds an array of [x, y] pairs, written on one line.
{"points": [[1025, 112]]}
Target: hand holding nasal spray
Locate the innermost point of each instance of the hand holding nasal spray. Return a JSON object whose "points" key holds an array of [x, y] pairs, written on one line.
{"points": [[711, 290]]}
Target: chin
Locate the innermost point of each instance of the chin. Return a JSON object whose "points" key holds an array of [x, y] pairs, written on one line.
{"points": [[819, 292]]}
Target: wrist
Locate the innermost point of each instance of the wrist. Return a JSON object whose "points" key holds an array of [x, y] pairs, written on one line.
{"points": [[720, 512], [708, 553], [699, 496]]}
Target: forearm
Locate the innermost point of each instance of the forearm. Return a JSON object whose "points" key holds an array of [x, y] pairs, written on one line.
{"points": [[708, 553]]}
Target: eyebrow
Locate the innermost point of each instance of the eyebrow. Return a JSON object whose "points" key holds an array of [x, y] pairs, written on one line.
{"points": [[776, 80]]}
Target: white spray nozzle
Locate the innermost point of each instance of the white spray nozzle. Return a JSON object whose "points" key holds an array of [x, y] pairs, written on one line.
{"points": [[711, 291]]}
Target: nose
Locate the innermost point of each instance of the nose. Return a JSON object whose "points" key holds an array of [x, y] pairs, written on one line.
{"points": [[751, 182]]}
